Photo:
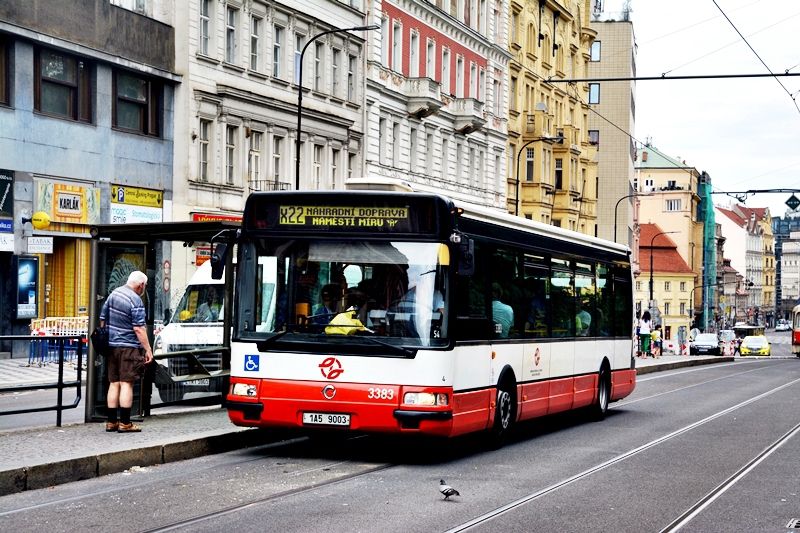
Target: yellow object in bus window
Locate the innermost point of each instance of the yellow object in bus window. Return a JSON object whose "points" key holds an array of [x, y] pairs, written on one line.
{"points": [[344, 323], [185, 315]]}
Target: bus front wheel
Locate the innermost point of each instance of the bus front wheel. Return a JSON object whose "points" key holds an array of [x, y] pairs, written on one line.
{"points": [[505, 412]]}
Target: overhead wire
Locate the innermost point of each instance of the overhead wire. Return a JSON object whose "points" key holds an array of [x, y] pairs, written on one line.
{"points": [[794, 101]]}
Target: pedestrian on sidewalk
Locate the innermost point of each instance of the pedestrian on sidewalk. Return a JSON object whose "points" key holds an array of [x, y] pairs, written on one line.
{"points": [[644, 335], [129, 349], [655, 342]]}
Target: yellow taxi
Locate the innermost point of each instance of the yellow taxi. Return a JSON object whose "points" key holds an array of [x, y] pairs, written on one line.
{"points": [[755, 345]]}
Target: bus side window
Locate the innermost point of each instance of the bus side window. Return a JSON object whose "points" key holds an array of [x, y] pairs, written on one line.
{"points": [[469, 301]]}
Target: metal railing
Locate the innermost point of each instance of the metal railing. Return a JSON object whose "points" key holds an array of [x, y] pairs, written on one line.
{"points": [[51, 349]]}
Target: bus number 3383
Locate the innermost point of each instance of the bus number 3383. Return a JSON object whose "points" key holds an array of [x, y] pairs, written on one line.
{"points": [[374, 393]]}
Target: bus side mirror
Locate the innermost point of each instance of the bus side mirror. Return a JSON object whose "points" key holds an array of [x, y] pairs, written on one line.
{"points": [[466, 257], [218, 257]]}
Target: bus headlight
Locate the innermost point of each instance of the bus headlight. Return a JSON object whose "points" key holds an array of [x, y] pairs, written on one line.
{"points": [[425, 398], [243, 389]]}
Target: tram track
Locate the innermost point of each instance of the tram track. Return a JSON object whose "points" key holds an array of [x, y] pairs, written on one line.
{"points": [[684, 517], [291, 448]]}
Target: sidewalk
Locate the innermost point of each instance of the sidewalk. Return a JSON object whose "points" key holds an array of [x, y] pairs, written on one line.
{"points": [[46, 456]]}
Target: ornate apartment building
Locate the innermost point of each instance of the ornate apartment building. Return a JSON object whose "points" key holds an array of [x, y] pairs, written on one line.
{"points": [[552, 170], [436, 97]]}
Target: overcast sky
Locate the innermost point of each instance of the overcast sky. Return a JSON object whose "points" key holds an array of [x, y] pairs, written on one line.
{"points": [[743, 132]]}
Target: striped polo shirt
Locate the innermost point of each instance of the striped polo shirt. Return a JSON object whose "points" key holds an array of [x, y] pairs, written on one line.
{"points": [[122, 310]]}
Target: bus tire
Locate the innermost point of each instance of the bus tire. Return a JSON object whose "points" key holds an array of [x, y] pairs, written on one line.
{"points": [[599, 408], [505, 413]]}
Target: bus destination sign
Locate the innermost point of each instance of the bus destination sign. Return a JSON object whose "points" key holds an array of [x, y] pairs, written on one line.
{"points": [[341, 216]]}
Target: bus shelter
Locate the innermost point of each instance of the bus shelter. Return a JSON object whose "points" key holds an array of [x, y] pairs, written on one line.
{"points": [[117, 250]]}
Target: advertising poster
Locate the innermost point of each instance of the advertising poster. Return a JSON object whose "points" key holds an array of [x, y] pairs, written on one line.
{"points": [[27, 280], [6, 201]]}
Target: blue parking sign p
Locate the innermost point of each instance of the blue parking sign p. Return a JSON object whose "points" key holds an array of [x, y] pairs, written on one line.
{"points": [[251, 362]]}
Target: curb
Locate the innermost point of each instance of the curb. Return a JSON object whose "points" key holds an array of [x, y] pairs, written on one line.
{"points": [[680, 364], [60, 472]]}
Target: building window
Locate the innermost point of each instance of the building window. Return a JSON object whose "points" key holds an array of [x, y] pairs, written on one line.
{"points": [[397, 47], [205, 139], [299, 41], [529, 153], [674, 205], [382, 141], [594, 51], [430, 59], [205, 25], [459, 76], [317, 170], [385, 41], [396, 144], [473, 80], [683, 286], [136, 103], [667, 286], [5, 81], [277, 51], [230, 154], [255, 39], [336, 58], [335, 155], [445, 71], [319, 56], [429, 145], [254, 158], [231, 15], [666, 308], [352, 64], [594, 137], [412, 143], [638, 285], [559, 173], [62, 87], [277, 147], [594, 93], [413, 61], [351, 165], [683, 308], [445, 157]]}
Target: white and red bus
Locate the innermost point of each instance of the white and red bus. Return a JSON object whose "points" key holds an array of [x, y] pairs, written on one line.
{"points": [[438, 318], [795, 323]]}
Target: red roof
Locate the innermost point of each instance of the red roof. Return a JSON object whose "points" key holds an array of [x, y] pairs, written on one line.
{"points": [[733, 216], [666, 258]]}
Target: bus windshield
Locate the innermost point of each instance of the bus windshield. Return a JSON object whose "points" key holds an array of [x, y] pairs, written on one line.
{"points": [[351, 292]]}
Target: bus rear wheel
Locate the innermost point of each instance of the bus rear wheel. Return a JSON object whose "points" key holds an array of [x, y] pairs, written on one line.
{"points": [[599, 408]]}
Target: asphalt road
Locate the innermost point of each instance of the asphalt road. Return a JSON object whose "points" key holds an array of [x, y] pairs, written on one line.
{"points": [[710, 448]]}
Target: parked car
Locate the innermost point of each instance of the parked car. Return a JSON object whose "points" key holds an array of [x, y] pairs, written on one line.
{"points": [[755, 345], [782, 325], [704, 344]]}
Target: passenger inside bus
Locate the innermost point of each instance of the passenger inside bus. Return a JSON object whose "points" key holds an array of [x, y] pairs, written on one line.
{"points": [[324, 312]]}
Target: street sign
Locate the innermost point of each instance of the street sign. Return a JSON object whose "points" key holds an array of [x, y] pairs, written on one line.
{"points": [[793, 202]]}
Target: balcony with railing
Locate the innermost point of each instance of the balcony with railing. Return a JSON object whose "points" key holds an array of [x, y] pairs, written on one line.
{"points": [[424, 96], [468, 113], [268, 185]]}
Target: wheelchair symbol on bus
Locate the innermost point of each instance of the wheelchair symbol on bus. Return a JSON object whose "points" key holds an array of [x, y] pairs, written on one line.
{"points": [[251, 363]]}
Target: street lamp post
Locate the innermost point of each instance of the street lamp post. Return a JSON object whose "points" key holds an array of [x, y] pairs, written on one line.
{"points": [[616, 206], [560, 138], [651, 262], [300, 92]]}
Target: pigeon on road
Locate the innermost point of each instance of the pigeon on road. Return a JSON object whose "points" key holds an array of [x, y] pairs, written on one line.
{"points": [[447, 490]]}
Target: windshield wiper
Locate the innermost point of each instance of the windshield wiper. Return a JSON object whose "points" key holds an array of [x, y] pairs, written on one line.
{"points": [[398, 349]]}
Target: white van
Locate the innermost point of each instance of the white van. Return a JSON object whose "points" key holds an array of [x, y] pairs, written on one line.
{"points": [[196, 322]]}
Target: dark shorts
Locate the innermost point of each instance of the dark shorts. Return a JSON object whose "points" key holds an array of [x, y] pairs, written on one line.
{"points": [[125, 364]]}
